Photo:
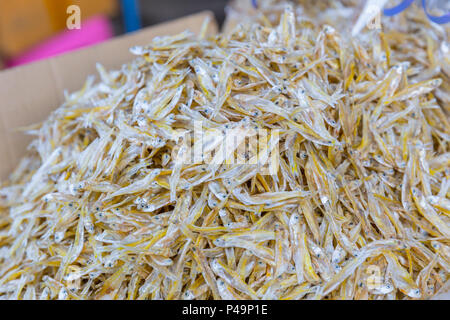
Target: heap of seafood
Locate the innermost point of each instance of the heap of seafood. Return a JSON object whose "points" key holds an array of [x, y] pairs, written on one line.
{"points": [[105, 207]]}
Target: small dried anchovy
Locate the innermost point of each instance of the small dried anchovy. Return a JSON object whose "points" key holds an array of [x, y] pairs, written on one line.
{"points": [[358, 208]]}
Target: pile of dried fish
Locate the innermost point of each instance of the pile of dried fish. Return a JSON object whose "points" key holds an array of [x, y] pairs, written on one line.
{"points": [[103, 208]]}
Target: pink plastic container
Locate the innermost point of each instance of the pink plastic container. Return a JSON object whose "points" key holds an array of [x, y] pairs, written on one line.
{"points": [[93, 30]]}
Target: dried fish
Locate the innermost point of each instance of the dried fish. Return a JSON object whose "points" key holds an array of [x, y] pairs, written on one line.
{"points": [[345, 196]]}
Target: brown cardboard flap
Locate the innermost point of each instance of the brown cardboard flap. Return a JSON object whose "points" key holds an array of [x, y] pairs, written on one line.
{"points": [[29, 93]]}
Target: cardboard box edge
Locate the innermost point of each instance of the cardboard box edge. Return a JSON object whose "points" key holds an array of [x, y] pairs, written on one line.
{"points": [[17, 83]]}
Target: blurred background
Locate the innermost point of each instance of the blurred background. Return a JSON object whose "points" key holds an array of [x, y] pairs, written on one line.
{"points": [[31, 30], [34, 29]]}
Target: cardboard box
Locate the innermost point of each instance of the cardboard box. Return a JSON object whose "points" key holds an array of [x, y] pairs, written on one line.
{"points": [[29, 93], [24, 23]]}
